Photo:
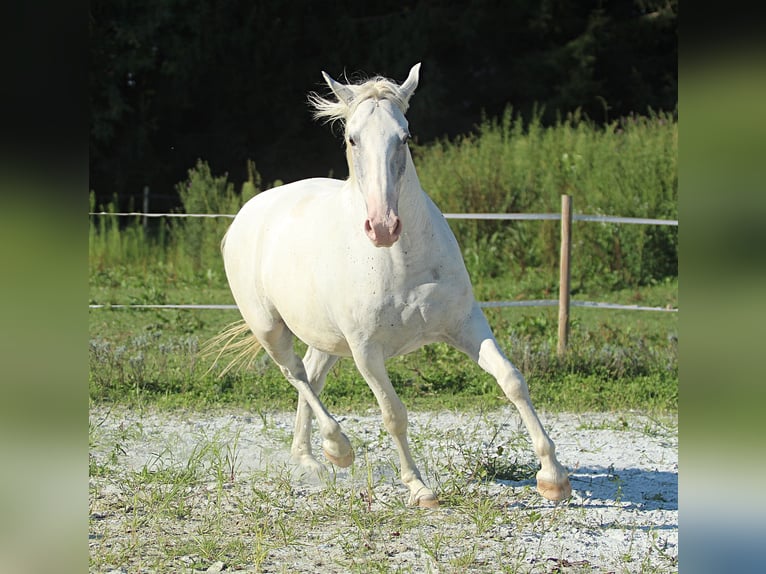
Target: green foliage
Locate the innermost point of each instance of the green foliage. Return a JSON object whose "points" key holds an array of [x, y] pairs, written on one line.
{"points": [[184, 247], [198, 240], [616, 360], [627, 168], [113, 242]]}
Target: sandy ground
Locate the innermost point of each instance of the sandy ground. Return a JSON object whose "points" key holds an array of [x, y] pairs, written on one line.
{"points": [[622, 517]]}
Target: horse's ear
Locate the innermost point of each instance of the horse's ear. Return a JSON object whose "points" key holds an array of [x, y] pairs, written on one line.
{"points": [[409, 85], [343, 93]]}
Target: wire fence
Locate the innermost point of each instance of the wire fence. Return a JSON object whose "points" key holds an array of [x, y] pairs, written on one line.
{"points": [[478, 216]]}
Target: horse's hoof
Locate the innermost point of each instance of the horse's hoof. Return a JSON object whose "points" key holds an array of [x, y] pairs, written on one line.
{"points": [[428, 501], [554, 492], [424, 498], [310, 466], [341, 461]]}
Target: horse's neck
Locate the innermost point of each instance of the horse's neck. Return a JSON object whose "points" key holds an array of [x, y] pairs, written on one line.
{"points": [[413, 201], [426, 235]]}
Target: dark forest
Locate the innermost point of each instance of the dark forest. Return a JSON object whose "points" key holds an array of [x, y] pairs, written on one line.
{"points": [[173, 81]]}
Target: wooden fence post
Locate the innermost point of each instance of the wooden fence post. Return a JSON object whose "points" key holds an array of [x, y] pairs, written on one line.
{"points": [[564, 275]]}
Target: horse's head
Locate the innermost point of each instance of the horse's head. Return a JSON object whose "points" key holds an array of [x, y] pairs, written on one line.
{"points": [[376, 133]]}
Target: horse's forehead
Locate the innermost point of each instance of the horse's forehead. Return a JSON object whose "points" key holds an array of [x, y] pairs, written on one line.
{"points": [[377, 111]]}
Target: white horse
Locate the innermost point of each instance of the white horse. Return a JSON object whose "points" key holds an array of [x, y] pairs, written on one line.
{"points": [[366, 268]]}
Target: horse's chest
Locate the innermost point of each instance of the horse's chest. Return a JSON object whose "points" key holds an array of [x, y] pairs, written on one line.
{"points": [[419, 311]]}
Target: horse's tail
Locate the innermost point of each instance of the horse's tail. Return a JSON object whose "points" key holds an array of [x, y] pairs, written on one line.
{"points": [[235, 341]]}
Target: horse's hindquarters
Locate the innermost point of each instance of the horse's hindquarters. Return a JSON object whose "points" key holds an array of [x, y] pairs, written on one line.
{"points": [[280, 266]]}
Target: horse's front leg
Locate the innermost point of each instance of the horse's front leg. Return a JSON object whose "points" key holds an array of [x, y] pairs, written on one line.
{"points": [[317, 365], [476, 339], [371, 364]]}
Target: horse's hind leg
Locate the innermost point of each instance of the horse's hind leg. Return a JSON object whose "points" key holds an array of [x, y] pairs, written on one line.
{"points": [[277, 341], [476, 339], [317, 365]]}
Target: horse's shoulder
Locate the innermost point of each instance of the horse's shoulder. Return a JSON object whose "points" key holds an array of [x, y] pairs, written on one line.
{"points": [[283, 196]]}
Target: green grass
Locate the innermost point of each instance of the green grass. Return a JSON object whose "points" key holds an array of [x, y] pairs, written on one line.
{"points": [[616, 359]]}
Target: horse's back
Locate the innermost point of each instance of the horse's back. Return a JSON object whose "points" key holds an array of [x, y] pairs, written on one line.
{"points": [[278, 202], [279, 207]]}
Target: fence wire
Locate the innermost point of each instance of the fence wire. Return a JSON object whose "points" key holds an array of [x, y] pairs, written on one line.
{"points": [[482, 216]]}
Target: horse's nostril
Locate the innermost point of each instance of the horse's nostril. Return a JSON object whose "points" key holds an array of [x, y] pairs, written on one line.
{"points": [[383, 233]]}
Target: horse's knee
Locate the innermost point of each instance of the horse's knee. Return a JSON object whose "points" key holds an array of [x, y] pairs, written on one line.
{"points": [[514, 386], [395, 419]]}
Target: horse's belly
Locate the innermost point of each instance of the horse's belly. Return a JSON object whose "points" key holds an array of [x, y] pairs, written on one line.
{"points": [[399, 324], [316, 329]]}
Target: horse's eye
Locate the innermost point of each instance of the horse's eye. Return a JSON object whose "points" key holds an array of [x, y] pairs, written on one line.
{"points": [[351, 142]]}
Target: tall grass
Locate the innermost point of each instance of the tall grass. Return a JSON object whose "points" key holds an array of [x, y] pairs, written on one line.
{"points": [[627, 168], [186, 247], [197, 240], [112, 241]]}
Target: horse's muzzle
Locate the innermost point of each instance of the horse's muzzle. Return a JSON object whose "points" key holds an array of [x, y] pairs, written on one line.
{"points": [[384, 232]]}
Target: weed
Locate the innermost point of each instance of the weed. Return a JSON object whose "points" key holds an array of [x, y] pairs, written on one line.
{"points": [[433, 542], [463, 561], [621, 423], [484, 515]]}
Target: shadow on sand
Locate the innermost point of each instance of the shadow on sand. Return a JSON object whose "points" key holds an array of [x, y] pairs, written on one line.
{"points": [[628, 487]]}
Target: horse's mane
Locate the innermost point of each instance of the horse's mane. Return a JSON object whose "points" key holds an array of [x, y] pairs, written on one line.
{"points": [[379, 88]]}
